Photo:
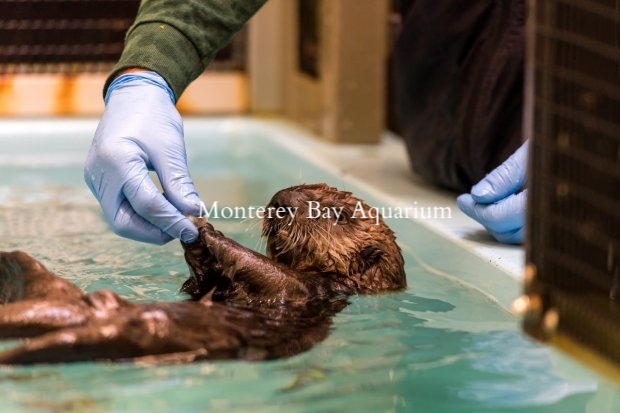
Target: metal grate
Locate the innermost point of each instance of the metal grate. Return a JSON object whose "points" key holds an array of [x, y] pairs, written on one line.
{"points": [[573, 242], [68, 36], [63, 35]]}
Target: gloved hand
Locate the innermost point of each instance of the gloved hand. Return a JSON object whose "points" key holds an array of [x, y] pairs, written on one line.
{"points": [[497, 201], [141, 131]]}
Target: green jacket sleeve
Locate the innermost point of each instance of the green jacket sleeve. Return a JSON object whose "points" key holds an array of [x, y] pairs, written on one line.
{"points": [[179, 38]]}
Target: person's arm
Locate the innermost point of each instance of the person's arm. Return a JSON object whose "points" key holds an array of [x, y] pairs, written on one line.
{"points": [[168, 46], [178, 38]]}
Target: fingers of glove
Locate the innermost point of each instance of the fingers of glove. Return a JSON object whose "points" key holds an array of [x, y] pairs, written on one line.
{"points": [[145, 215], [176, 181], [505, 215], [104, 180], [504, 180], [161, 221], [514, 237], [149, 204], [127, 223]]}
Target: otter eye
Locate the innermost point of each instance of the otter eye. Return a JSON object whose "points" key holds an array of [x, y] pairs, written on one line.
{"points": [[371, 255], [342, 219]]}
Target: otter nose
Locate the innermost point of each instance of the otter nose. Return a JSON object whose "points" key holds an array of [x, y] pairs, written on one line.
{"points": [[284, 198]]}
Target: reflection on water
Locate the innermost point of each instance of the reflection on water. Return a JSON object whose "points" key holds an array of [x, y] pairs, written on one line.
{"points": [[437, 347]]}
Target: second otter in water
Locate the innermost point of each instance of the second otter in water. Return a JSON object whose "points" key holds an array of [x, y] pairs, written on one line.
{"points": [[246, 305]]}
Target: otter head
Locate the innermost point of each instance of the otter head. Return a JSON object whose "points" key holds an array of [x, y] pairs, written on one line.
{"points": [[324, 230]]}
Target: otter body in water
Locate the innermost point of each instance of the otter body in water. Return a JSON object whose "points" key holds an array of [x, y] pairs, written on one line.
{"points": [[244, 305]]}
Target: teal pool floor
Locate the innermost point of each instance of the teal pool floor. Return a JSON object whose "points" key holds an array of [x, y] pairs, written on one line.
{"points": [[443, 345]]}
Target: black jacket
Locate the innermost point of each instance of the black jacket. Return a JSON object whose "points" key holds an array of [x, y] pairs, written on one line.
{"points": [[459, 86]]}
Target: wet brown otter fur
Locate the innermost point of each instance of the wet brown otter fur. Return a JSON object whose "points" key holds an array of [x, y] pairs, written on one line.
{"points": [[307, 255], [246, 305], [359, 251]]}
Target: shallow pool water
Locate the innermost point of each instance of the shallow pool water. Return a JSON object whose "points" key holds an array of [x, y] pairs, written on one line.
{"points": [[440, 346]]}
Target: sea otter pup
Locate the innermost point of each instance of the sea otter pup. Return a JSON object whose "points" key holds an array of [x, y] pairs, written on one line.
{"points": [[244, 305]]}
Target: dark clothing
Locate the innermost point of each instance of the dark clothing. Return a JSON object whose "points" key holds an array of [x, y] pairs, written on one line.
{"points": [[459, 68]]}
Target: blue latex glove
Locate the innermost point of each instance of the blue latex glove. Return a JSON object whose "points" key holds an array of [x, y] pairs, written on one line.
{"points": [[496, 201], [142, 131]]}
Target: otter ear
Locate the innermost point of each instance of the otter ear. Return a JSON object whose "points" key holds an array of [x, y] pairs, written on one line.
{"points": [[370, 255]]}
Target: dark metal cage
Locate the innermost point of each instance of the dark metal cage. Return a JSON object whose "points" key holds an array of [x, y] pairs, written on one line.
{"points": [[75, 36], [573, 232], [63, 35]]}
